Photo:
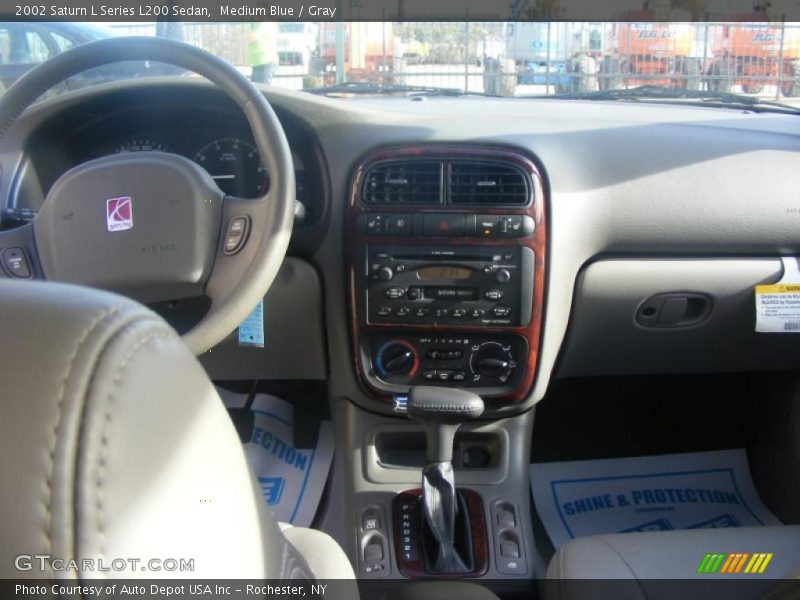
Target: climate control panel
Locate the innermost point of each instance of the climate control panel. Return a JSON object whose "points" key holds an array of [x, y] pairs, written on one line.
{"points": [[493, 363]]}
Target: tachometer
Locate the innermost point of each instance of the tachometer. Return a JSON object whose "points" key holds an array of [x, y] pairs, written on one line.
{"points": [[141, 145], [235, 165]]}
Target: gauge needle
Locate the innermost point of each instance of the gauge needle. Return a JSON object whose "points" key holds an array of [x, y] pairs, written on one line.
{"points": [[223, 177]]}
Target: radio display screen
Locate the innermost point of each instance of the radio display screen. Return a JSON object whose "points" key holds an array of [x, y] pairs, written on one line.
{"points": [[444, 272]]}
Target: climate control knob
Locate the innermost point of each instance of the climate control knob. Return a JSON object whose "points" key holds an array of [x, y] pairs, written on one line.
{"points": [[493, 360], [396, 357]]}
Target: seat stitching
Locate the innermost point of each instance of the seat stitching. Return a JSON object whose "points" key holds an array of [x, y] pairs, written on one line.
{"points": [[108, 416], [106, 314]]}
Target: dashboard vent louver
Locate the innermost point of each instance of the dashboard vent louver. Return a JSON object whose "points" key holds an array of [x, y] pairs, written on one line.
{"points": [[404, 182], [486, 183]]}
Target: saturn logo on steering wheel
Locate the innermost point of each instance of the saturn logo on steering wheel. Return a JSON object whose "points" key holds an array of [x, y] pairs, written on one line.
{"points": [[119, 213]]}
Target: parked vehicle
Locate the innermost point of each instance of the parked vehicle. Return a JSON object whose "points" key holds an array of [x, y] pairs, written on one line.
{"points": [[540, 73], [649, 53], [297, 42], [754, 55], [23, 45]]}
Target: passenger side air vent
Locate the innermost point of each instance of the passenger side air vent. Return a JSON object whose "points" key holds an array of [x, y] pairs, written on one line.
{"points": [[404, 182], [487, 183]]}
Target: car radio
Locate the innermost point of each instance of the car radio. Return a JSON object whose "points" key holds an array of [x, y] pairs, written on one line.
{"points": [[449, 285]]}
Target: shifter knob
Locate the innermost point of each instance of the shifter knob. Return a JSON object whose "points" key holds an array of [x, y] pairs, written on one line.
{"points": [[441, 410]]}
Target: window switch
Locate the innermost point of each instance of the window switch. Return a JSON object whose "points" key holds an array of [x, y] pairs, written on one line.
{"points": [[509, 549], [505, 518], [373, 553]]}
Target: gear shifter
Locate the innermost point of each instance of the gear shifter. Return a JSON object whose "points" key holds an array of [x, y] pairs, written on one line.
{"points": [[441, 411]]}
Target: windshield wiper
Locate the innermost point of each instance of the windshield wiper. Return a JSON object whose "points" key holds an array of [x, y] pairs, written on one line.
{"points": [[664, 93], [369, 87]]}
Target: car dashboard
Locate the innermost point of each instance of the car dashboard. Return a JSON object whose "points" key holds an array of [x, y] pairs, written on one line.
{"points": [[624, 206]]}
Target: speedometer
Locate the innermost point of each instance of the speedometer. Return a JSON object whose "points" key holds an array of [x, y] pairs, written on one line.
{"points": [[235, 165]]}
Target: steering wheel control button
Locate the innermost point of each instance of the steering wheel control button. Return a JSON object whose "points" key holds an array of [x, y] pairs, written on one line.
{"points": [[444, 224], [16, 262], [236, 235]]}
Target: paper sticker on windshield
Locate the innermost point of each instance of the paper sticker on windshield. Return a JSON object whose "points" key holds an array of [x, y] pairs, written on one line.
{"points": [[251, 331], [778, 304]]}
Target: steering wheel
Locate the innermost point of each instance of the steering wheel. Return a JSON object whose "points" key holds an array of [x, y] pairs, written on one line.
{"points": [[153, 225]]}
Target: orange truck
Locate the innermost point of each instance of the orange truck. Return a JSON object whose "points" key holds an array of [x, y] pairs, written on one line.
{"points": [[751, 53], [643, 52], [368, 48]]}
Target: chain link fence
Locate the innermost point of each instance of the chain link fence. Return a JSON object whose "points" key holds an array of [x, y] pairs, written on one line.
{"points": [[758, 58]]}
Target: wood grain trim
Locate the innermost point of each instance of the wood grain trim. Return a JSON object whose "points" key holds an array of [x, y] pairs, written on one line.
{"points": [[480, 541], [536, 242]]}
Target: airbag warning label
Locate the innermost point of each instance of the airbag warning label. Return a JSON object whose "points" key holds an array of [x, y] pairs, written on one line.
{"points": [[778, 308]]}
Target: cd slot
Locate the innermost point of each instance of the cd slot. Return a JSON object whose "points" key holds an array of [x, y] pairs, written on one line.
{"points": [[443, 257]]}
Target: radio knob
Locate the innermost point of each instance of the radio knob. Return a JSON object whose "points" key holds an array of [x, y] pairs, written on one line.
{"points": [[385, 274], [503, 276], [491, 360], [397, 357]]}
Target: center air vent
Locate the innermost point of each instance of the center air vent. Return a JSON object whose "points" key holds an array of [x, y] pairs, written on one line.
{"points": [[404, 182], [487, 183]]}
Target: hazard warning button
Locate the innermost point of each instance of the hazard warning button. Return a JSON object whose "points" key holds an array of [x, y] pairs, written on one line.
{"points": [[438, 224]]}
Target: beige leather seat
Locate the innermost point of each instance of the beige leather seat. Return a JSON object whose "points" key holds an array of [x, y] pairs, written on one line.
{"points": [[115, 445], [639, 564]]}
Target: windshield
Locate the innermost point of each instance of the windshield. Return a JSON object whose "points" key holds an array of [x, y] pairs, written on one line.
{"points": [[755, 57]]}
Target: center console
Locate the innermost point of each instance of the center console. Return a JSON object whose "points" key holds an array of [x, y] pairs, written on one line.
{"points": [[446, 248], [447, 258]]}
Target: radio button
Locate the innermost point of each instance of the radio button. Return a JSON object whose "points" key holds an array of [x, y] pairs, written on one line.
{"points": [[441, 313], [503, 276], [420, 312], [384, 311], [382, 273], [476, 313], [457, 313], [414, 293], [394, 293], [494, 295], [501, 311], [454, 354], [444, 224], [403, 311]]}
